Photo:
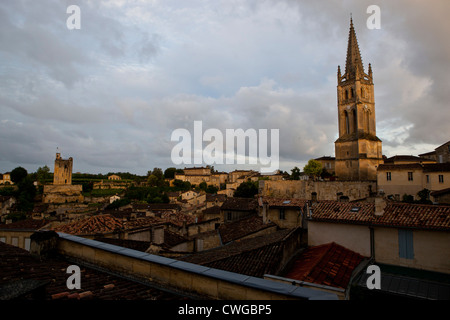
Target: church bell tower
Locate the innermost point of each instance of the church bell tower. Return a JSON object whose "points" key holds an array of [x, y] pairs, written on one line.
{"points": [[358, 149]]}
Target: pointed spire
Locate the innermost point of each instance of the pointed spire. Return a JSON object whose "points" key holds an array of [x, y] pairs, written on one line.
{"points": [[353, 66]]}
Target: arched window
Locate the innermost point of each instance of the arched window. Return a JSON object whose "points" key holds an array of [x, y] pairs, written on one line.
{"points": [[362, 92], [346, 94], [355, 121], [352, 93]]}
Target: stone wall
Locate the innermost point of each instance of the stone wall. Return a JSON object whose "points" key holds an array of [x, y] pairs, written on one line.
{"points": [[62, 193], [321, 190]]}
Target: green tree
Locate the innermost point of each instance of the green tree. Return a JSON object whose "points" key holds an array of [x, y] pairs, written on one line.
{"points": [[43, 174], [295, 173], [169, 173], [211, 189], [203, 186], [424, 196], [247, 189], [18, 174], [25, 194], [313, 168], [156, 177]]}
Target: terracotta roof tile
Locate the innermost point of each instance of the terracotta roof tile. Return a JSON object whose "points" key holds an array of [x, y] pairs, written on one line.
{"points": [[435, 217], [92, 225], [329, 264]]}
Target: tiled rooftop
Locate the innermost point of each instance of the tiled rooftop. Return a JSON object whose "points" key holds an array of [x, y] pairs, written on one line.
{"points": [[243, 227], [28, 224], [17, 265], [434, 217], [92, 225], [254, 257], [284, 202], [240, 204], [106, 223], [328, 264]]}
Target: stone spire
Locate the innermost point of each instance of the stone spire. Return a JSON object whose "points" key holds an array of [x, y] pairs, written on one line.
{"points": [[353, 67]]}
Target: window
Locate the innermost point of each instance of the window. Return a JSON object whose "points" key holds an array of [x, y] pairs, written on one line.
{"points": [[410, 176], [15, 241], [441, 178], [347, 123], [3, 239], [355, 121], [282, 214], [27, 244], [229, 216], [405, 244], [428, 178], [388, 176]]}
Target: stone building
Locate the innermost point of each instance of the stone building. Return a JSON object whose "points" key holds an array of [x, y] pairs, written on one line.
{"points": [[441, 154], [396, 180], [62, 190], [358, 149], [63, 170]]}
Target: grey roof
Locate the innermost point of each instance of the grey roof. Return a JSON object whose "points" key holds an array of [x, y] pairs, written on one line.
{"points": [[410, 285]]}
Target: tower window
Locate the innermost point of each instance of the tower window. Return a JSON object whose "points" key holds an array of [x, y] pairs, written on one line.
{"points": [[352, 93], [347, 123], [388, 176], [441, 178], [346, 94], [355, 121]]}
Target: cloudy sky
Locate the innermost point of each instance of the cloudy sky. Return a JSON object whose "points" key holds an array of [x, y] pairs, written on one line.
{"points": [[111, 93]]}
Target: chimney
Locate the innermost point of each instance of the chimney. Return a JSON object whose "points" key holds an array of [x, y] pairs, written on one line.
{"points": [[380, 204]]}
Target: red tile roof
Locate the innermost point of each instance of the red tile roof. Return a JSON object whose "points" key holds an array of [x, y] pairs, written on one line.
{"points": [[92, 225], [328, 264], [106, 223], [434, 217]]}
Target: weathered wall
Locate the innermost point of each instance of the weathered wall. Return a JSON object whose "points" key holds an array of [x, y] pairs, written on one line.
{"points": [[62, 193], [325, 190]]}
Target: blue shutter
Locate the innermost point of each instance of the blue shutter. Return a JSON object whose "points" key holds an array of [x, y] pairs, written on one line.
{"points": [[409, 245]]}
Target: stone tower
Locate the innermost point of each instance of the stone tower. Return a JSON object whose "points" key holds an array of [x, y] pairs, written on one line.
{"points": [[63, 170], [358, 149]]}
